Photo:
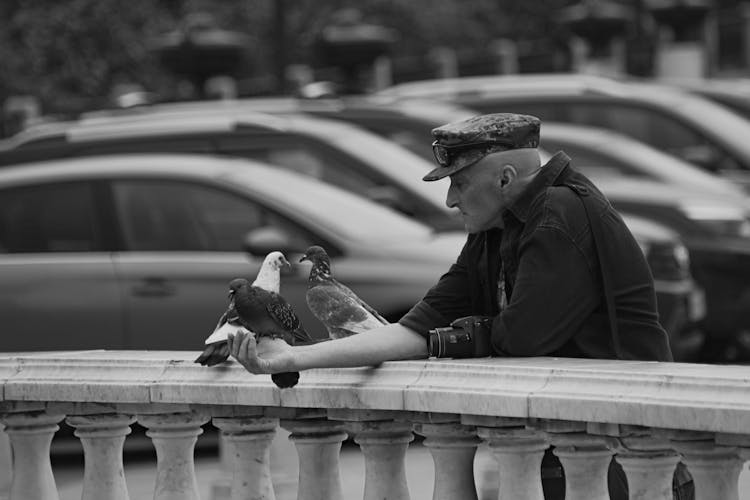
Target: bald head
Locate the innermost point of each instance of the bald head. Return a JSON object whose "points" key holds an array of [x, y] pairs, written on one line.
{"points": [[526, 161], [512, 169]]}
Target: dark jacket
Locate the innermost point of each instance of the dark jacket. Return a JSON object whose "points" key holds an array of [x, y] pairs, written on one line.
{"points": [[555, 303]]}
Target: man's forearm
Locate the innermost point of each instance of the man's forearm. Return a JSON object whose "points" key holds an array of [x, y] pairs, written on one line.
{"points": [[388, 343]]}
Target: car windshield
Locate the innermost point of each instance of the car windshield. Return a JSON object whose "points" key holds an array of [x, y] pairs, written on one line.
{"points": [[714, 120], [390, 159], [647, 160], [347, 215]]}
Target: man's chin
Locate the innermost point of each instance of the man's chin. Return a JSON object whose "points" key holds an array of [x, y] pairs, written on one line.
{"points": [[473, 228]]}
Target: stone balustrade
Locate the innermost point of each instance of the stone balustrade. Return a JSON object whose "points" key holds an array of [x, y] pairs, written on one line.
{"points": [[649, 416]]}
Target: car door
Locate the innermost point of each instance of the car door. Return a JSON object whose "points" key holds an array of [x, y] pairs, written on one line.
{"points": [[58, 288], [182, 247]]}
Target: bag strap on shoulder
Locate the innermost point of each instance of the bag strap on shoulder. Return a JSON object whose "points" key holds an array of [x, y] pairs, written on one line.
{"points": [[564, 179]]}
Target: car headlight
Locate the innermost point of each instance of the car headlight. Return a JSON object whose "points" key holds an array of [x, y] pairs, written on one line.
{"points": [[724, 220], [667, 260]]}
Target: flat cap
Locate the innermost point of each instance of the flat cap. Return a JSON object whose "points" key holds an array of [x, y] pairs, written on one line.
{"points": [[461, 144]]}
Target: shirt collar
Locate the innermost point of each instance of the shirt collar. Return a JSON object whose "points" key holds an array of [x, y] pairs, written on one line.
{"points": [[545, 178]]}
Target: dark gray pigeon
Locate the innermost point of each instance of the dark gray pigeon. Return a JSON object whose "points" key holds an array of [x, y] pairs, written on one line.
{"points": [[340, 310], [259, 308]]}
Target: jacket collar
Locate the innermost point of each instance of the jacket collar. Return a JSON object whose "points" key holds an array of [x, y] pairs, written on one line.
{"points": [[545, 178]]}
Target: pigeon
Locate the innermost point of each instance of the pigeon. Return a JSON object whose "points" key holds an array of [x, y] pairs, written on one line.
{"points": [[259, 308], [340, 310]]}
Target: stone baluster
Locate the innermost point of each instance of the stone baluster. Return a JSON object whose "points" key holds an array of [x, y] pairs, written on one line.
{"points": [[518, 452], [715, 468], [6, 463], [384, 446], [103, 438], [318, 443], [383, 443], [739, 441], [585, 460], [649, 463], [174, 436], [249, 442], [453, 447], [30, 435]]}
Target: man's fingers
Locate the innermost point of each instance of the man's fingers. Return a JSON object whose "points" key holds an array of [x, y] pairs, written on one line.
{"points": [[246, 351], [234, 340], [250, 348], [230, 343], [242, 350]]}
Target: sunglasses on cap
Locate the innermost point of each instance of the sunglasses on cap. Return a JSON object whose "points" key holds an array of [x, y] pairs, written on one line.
{"points": [[444, 155]]}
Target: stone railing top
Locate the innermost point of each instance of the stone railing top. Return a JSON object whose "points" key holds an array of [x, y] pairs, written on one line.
{"points": [[666, 395]]}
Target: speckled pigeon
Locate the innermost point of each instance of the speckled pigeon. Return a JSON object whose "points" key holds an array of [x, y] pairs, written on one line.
{"points": [[341, 311], [260, 308]]}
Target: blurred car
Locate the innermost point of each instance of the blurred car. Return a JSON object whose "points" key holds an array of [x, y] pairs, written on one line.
{"points": [[733, 93], [332, 151], [603, 153], [136, 251], [142, 247], [675, 121], [408, 123]]}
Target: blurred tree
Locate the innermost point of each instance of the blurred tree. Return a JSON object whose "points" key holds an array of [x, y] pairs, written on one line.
{"points": [[71, 53]]}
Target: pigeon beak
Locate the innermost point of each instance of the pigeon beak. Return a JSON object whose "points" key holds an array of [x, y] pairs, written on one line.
{"points": [[304, 258]]}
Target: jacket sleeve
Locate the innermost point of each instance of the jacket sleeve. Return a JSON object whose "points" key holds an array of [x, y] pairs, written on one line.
{"points": [[447, 300]]}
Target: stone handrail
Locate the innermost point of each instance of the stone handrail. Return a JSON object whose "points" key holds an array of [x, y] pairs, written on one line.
{"points": [[648, 415]]}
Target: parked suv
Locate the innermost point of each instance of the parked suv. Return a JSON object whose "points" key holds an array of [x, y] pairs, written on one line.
{"points": [[332, 151], [675, 121], [409, 123]]}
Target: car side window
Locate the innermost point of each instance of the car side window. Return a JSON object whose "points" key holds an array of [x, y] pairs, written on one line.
{"points": [[652, 127], [644, 124], [593, 163], [163, 215], [57, 217]]}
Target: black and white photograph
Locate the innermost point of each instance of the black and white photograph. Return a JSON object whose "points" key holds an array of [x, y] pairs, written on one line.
{"points": [[386, 249]]}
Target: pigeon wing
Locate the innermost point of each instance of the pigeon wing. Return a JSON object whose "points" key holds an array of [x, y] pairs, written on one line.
{"points": [[283, 313], [348, 292], [340, 310]]}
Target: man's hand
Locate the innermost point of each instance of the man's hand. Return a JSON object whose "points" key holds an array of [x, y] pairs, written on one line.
{"points": [[264, 356]]}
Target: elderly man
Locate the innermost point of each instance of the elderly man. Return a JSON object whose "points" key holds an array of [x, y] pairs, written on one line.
{"points": [[548, 264]]}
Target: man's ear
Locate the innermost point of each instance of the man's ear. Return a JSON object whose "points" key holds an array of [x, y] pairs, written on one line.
{"points": [[507, 174]]}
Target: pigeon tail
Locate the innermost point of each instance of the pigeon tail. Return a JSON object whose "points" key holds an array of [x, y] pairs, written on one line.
{"points": [[214, 354]]}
